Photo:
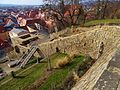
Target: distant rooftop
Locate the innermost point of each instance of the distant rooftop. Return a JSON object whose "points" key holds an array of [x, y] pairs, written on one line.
{"points": [[21, 2]]}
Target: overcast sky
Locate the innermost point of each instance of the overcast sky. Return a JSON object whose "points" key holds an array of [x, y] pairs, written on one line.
{"points": [[22, 2]]}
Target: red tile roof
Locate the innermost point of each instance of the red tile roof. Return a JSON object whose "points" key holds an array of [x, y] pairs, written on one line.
{"points": [[2, 29], [24, 27], [1, 41], [1, 44]]}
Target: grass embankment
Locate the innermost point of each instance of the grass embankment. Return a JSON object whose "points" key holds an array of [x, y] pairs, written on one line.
{"points": [[29, 75], [102, 22], [59, 75], [31, 62]]}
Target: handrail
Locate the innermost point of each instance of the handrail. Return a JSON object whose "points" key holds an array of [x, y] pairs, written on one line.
{"points": [[28, 56]]}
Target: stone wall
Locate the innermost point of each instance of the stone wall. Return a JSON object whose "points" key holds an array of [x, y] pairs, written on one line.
{"points": [[84, 43], [110, 78], [91, 77], [57, 34], [88, 43]]}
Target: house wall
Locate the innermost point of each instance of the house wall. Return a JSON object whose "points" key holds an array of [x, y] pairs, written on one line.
{"points": [[31, 30], [22, 22], [13, 34]]}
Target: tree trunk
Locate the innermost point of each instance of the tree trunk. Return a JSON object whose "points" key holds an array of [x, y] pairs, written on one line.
{"points": [[104, 9], [98, 9]]}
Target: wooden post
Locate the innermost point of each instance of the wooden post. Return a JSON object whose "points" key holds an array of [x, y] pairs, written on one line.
{"points": [[37, 60], [49, 64]]}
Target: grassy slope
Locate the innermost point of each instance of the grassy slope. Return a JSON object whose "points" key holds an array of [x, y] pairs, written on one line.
{"points": [[59, 75], [106, 21], [29, 76], [31, 62]]}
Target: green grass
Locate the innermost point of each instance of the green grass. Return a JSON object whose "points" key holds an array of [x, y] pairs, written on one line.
{"points": [[32, 61], [98, 22], [60, 74], [29, 76]]}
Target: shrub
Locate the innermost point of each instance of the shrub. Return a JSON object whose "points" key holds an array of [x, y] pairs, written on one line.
{"points": [[72, 56], [63, 62], [81, 68]]}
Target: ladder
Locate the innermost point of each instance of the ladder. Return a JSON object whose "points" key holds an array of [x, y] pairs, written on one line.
{"points": [[23, 56], [28, 56]]}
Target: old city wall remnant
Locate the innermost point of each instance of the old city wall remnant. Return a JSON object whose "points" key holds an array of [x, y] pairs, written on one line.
{"points": [[88, 43], [84, 43]]}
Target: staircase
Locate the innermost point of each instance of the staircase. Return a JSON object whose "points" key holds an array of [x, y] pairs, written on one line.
{"points": [[25, 58]]}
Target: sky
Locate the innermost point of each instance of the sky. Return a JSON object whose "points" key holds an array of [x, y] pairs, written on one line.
{"points": [[22, 2]]}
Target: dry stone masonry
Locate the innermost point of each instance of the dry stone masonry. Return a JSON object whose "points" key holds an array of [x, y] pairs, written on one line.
{"points": [[89, 43]]}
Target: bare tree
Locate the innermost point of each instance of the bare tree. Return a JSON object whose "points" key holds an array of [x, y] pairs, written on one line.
{"points": [[66, 12], [106, 8]]}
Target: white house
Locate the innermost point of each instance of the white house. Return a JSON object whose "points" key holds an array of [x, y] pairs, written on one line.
{"points": [[16, 32]]}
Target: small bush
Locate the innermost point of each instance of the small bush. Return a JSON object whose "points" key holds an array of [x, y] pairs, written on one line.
{"points": [[72, 55], [63, 62], [81, 68]]}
